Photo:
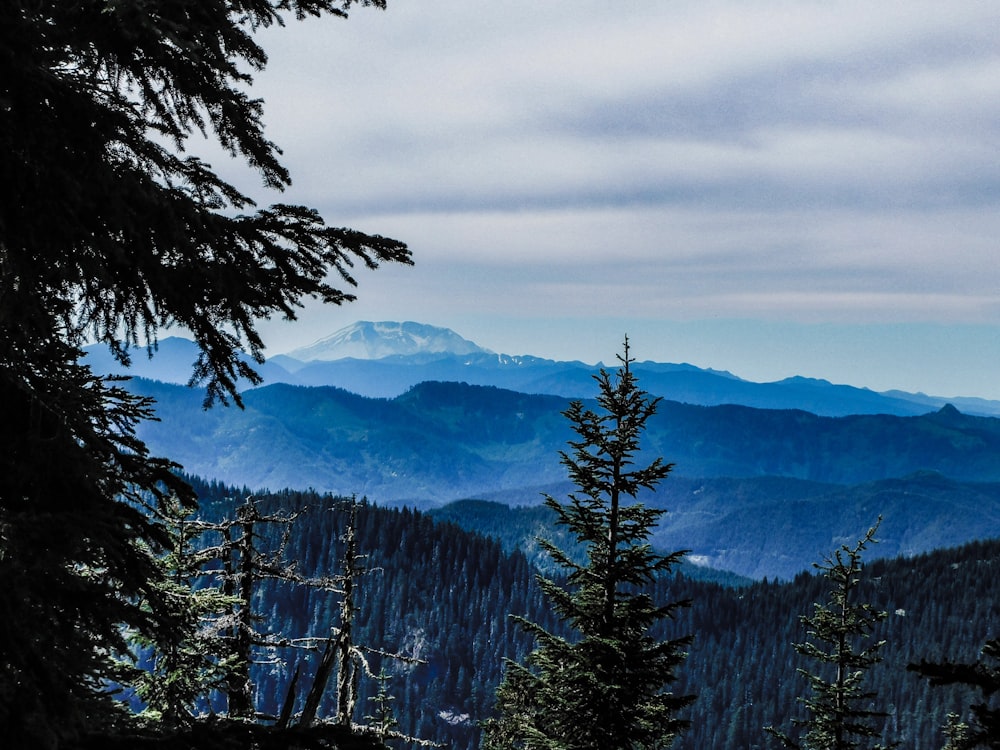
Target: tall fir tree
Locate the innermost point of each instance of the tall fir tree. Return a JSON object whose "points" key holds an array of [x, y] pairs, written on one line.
{"points": [[110, 230], [605, 685], [842, 713]]}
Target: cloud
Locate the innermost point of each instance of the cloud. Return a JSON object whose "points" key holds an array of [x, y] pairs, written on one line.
{"points": [[773, 160], [468, 106]]}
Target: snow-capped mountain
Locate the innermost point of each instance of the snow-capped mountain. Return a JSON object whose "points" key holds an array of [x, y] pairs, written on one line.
{"points": [[368, 340], [386, 359]]}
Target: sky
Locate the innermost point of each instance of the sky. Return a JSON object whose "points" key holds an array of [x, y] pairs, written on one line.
{"points": [[770, 188]]}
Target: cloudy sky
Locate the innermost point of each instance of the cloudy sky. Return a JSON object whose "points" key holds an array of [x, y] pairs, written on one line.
{"points": [[772, 188]]}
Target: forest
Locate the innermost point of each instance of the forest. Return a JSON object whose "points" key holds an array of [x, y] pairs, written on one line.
{"points": [[443, 594]]}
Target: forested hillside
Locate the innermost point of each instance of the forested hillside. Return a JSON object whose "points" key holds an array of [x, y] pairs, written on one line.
{"points": [[934, 478], [447, 441], [776, 526], [443, 594]]}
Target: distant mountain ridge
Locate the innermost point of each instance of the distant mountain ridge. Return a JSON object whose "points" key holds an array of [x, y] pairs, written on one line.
{"points": [[796, 483], [446, 441], [385, 359], [768, 476]]}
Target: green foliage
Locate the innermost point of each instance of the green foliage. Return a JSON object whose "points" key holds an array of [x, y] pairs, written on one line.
{"points": [[605, 686], [956, 733], [382, 720], [185, 669], [840, 707]]}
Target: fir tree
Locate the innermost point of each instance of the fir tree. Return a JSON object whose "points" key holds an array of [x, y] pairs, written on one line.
{"points": [[604, 687], [841, 713], [382, 720], [181, 671], [111, 230], [984, 676], [956, 733]]}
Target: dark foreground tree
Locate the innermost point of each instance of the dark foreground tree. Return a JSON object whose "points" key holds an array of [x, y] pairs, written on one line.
{"points": [[842, 712], [984, 676], [110, 230], [605, 686]]}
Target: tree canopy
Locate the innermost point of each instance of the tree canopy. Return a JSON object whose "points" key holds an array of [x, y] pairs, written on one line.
{"points": [[110, 229], [984, 677], [842, 711]]}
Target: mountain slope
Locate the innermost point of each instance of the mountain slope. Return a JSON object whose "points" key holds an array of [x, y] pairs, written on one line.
{"points": [[773, 526], [368, 340], [754, 491], [444, 441], [445, 595]]}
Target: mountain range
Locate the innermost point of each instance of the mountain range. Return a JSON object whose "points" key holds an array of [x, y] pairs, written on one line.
{"points": [[757, 491], [385, 359]]}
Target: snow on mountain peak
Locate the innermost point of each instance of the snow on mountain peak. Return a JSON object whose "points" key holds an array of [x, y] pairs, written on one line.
{"points": [[368, 340]]}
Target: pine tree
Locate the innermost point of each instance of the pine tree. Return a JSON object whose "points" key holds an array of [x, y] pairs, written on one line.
{"points": [[382, 720], [984, 676], [110, 230], [605, 686], [181, 671], [841, 716], [956, 733]]}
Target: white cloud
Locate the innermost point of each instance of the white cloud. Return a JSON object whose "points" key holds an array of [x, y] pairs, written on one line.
{"points": [[809, 161]]}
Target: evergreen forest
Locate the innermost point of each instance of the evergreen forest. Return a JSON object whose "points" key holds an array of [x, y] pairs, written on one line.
{"points": [[443, 594]]}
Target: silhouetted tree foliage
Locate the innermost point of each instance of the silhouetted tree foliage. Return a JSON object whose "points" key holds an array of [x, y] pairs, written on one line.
{"points": [[603, 686], [982, 675], [109, 229]]}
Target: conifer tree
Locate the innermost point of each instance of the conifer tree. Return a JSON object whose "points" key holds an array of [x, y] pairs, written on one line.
{"points": [[984, 676], [956, 733], [382, 720], [841, 713], [605, 685], [110, 229], [181, 671]]}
